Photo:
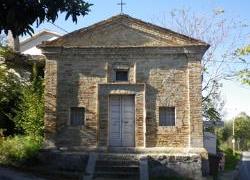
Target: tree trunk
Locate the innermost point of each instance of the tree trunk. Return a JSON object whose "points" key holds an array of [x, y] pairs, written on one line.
{"points": [[13, 42]]}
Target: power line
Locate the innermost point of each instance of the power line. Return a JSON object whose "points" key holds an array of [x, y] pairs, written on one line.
{"points": [[246, 63], [59, 27]]}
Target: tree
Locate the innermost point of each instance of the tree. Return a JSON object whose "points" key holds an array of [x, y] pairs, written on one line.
{"points": [[19, 15], [244, 75], [242, 131], [221, 34], [224, 135]]}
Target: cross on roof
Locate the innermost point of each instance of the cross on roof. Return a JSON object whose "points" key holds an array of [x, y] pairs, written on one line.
{"points": [[121, 4]]}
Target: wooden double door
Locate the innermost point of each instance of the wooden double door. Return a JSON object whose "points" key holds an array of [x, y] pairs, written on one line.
{"points": [[122, 121]]}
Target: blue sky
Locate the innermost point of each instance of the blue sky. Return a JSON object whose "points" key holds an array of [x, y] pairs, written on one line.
{"points": [[146, 9], [237, 96]]}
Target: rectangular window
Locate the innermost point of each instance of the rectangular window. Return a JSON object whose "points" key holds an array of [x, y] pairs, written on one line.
{"points": [[77, 115], [167, 116], [121, 75]]}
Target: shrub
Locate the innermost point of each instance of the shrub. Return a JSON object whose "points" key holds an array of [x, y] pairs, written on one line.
{"points": [[17, 149], [231, 160], [10, 97], [30, 113]]}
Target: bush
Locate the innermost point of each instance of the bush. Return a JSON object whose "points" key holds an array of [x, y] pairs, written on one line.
{"points": [[30, 113], [10, 97], [231, 160], [17, 149]]}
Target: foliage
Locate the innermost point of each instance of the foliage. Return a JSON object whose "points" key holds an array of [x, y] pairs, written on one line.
{"points": [[244, 76], [5, 51], [209, 110], [23, 102], [223, 134], [231, 160], [18, 149], [243, 51], [19, 15], [242, 131], [29, 116], [10, 96]]}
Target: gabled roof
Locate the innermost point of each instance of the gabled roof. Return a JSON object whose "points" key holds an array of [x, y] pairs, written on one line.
{"points": [[123, 31], [41, 33]]}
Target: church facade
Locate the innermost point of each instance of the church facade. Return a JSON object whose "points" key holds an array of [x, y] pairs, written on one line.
{"points": [[124, 84]]}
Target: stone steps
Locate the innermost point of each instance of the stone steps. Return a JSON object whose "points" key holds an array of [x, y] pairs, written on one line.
{"points": [[121, 163], [122, 169], [93, 165], [117, 169], [120, 178], [116, 174]]}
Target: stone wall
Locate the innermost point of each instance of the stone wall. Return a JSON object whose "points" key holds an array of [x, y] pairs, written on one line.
{"points": [[166, 85], [188, 166], [72, 79], [50, 95], [195, 99]]}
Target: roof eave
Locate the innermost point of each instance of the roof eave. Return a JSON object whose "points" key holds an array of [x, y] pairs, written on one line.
{"points": [[189, 49]]}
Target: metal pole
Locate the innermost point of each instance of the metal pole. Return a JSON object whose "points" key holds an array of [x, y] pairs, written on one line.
{"points": [[233, 141], [121, 7]]}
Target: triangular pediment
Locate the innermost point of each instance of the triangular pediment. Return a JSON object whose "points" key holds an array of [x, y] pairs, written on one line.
{"points": [[123, 31]]}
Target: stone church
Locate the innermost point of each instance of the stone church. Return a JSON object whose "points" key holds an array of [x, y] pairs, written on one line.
{"points": [[124, 85]]}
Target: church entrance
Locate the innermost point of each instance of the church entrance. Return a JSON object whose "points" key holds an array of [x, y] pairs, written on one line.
{"points": [[122, 121]]}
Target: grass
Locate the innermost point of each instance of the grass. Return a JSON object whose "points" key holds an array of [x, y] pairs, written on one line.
{"points": [[231, 160], [18, 149]]}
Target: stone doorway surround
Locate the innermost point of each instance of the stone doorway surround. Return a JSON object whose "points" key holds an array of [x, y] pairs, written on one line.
{"points": [[104, 91]]}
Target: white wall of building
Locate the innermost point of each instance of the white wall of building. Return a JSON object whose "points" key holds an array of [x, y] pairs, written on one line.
{"points": [[30, 48]]}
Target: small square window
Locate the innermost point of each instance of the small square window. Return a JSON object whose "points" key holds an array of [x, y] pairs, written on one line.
{"points": [[121, 75], [167, 116], [77, 116]]}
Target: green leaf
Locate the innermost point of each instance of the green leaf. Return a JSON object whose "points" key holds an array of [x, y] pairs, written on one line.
{"points": [[19, 16]]}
